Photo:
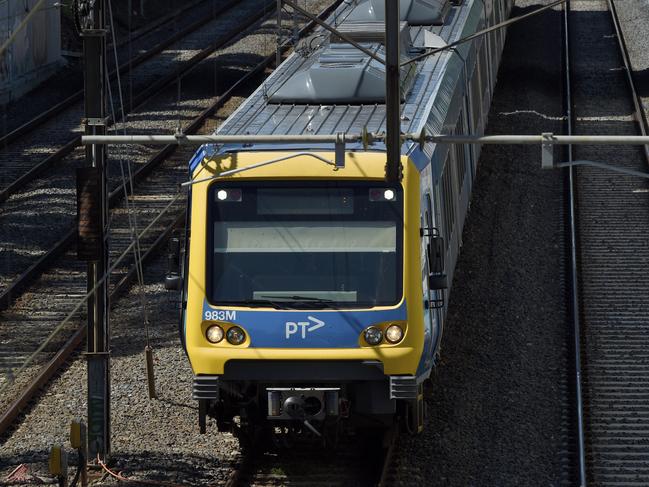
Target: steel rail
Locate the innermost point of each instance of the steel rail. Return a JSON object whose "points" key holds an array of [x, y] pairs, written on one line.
{"points": [[643, 127], [152, 26], [377, 473], [573, 242], [390, 446], [123, 68], [640, 115], [46, 373]]}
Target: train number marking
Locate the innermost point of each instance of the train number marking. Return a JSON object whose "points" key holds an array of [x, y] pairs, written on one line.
{"points": [[304, 326], [220, 314]]}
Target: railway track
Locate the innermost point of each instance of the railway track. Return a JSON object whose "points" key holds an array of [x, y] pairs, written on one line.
{"points": [[48, 139], [367, 460], [609, 223], [55, 190], [59, 283], [22, 118]]}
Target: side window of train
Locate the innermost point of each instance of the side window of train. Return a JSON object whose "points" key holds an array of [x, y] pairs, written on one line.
{"points": [[435, 251]]}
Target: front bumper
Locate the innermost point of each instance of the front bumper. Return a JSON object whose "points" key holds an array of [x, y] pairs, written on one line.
{"points": [[214, 360]]}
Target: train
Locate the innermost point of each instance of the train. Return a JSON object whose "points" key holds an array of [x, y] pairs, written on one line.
{"points": [[314, 295]]}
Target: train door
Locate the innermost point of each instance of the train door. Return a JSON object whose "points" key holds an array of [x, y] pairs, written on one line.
{"points": [[462, 153], [438, 296], [488, 48], [496, 42], [475, 111], [431, 323]]}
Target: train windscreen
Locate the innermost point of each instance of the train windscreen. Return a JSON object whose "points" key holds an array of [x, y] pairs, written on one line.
{"points": [[305, 245]]}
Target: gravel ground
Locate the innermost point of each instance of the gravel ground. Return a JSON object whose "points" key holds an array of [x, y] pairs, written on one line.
{"points": [[158, 438], [495, 412]]}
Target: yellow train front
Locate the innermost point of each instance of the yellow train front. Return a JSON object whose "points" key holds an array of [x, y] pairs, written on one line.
{"points": [[299, 282], [313, 295]]}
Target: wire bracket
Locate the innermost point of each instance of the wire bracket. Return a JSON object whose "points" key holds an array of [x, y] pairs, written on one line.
{"points": [[547, 151], [339, 161], [95, 122]]}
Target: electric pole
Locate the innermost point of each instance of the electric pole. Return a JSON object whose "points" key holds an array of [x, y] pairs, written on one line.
{"points": [[92, 210], [393, 167]]}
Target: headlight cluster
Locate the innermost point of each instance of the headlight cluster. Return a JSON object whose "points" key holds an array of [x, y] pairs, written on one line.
{"points": [[374, 335], [234, 336], [394, 333]]}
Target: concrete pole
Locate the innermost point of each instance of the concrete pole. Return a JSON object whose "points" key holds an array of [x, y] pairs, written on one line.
{"points": [[93, 219]]}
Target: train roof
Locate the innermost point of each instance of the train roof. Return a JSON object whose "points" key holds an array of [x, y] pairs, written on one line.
{"points": [[427, 101]]}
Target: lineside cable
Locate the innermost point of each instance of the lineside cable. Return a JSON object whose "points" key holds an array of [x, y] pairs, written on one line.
{"points": [[131, 212]]}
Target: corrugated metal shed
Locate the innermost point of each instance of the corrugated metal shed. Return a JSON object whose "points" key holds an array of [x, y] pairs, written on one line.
{"points": [[35, 53]]}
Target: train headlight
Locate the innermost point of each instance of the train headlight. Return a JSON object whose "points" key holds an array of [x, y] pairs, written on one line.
{"points": [[394, 333], [373, 335], [236, 336], [214, 334]]}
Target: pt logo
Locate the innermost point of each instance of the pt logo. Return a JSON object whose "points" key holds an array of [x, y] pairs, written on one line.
{"points": [[305, 327]]}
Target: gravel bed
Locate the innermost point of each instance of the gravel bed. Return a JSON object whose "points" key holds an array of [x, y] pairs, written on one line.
{"points": [[156, 438], [495, 409], [612, 216]]}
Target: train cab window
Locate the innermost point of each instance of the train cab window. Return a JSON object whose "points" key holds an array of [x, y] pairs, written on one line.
{"points": [[305, 245]]}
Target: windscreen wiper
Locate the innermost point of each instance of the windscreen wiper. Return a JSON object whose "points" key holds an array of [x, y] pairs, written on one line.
{"points": [[302, 299], [256, 303]]}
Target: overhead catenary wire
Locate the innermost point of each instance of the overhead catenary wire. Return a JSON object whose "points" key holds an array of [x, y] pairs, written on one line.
{"points": [[483, 32], [132, 217], [130, 210], [432, 52]]}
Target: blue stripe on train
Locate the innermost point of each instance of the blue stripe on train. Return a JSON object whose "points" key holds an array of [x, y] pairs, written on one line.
{"points": [[304, 328]]}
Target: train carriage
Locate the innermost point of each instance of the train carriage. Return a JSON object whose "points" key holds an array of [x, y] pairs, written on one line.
{"points": [[315, 295]]}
